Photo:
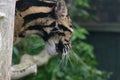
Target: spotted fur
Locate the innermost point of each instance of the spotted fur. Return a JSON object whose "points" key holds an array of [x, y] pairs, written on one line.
{"points": [[48, 19]]}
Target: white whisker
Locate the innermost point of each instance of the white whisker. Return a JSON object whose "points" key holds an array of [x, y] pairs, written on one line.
{"points": [[66, 60], [69, 59]]}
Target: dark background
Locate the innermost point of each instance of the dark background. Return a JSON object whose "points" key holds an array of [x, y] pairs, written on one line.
{"points": [[107, 51], [106, 38], [106, 10]]}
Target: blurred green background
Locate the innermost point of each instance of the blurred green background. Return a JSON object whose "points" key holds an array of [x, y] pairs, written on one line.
{"points": [[80, 63]]}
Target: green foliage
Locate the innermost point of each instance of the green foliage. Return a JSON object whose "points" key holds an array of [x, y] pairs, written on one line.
{"points": [[29, 45], [80, 64], [78, 9]]}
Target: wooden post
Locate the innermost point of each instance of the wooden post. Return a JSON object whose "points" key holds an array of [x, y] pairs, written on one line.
{"points": [[7, 9]]}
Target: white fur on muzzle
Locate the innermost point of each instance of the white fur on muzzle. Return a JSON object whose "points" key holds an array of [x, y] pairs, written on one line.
{"points": [[51, 48]]}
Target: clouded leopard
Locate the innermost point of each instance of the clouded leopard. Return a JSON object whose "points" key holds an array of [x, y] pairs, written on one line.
{"points": [[48, 19]]}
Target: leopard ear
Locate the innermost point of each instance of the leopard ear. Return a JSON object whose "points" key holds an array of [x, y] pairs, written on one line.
{"points": [[61, 9]]}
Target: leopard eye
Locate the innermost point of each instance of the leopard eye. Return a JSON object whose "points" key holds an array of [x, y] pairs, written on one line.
{"points": [[54, 30]]}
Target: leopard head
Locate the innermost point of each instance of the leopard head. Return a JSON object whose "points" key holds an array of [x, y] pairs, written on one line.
{"points": [[60, 42]]}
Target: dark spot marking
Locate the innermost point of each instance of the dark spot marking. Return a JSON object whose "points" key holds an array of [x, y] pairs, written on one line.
{"points": [[66, 40], [39, 27], [60, 46], [71, 26], [34, 16], [64, 28], [21, 34], [23, 5]]}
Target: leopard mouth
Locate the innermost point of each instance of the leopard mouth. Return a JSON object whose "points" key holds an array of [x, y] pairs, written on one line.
{"points": [[63, 48], [57, 47], [50, 47]]}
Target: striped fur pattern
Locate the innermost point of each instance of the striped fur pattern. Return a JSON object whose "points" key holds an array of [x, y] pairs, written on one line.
{"points": [[48, 19]]}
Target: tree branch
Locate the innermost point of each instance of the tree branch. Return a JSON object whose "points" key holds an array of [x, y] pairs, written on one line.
{"points": [[28, 65]]}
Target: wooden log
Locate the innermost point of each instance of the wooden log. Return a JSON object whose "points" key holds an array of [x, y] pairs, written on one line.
{"points": [[7, 10], [28, 65]]}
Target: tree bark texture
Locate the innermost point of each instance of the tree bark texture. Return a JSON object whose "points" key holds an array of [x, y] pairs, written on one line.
{"points": [[28, 64], [7, 10]]}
